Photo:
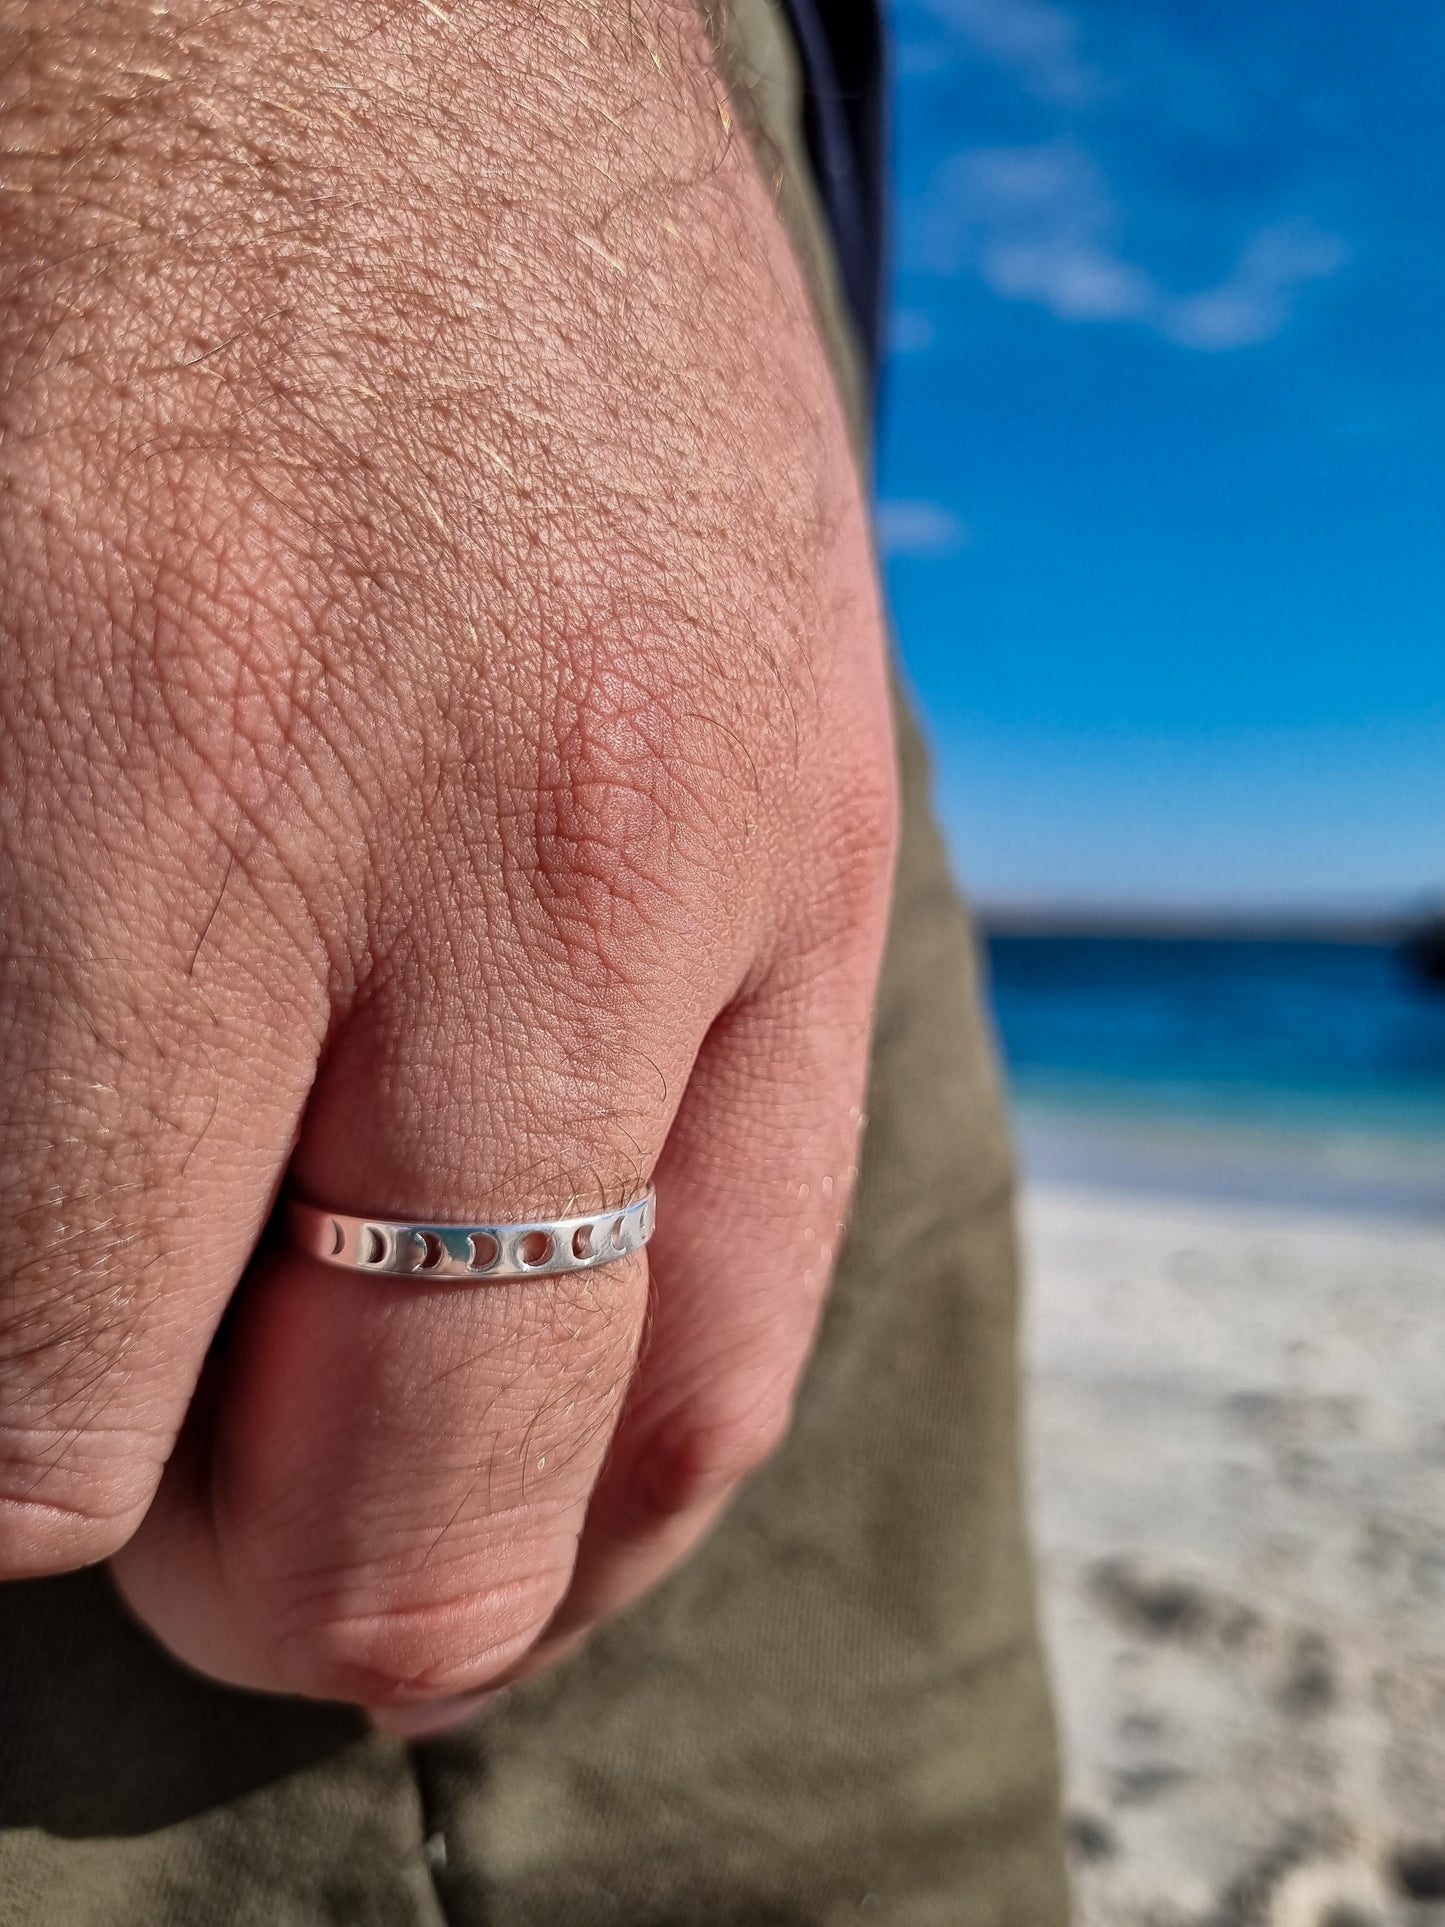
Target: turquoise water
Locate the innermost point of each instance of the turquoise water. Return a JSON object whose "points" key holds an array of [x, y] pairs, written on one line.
{"points": [[1291, 1070]]}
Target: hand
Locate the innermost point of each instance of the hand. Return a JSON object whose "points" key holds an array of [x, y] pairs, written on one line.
{"points": [[445, 758]]}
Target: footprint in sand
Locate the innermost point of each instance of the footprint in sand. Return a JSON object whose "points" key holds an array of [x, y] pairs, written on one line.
{"points": [[1418, 1871], [1328, 1893], [1168, 1605], [1296, 1888]]}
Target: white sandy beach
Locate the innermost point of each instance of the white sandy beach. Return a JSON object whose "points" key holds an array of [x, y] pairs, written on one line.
{"points": [[1238, 1453]]}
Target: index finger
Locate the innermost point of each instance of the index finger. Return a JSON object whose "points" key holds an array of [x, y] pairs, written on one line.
{"points": [[145, 1119]]}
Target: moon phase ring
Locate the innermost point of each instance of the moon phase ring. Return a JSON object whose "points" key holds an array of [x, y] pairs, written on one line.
{"points": [[482, 1254]]}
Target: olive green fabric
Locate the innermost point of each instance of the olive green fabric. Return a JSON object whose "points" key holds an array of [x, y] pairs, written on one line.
{"points": [[836, 1711], [760, 64]]}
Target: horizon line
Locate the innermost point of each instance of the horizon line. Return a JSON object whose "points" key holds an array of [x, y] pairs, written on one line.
{"points": [[1320, 923]]}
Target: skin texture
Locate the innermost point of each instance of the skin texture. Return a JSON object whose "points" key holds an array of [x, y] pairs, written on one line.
{"points": [[444, 754]]}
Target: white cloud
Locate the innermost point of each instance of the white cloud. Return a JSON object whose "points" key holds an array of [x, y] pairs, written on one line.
{"points": [[1040, 224], [1034, 39], [1253, 303], [923, 531]]}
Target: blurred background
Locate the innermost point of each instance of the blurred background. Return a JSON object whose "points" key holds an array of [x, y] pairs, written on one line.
{"points": [[1162, 517]]}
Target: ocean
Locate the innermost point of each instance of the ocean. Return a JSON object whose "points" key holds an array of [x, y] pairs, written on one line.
{"points": [[1290, 1070]]}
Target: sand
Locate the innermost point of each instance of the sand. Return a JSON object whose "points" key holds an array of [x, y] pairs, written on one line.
{"points": [[1237, 1440]]}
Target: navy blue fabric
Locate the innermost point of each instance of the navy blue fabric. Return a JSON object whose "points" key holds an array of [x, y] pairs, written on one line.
{"points": [[842, 46]]}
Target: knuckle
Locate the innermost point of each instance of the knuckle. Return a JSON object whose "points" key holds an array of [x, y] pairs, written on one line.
{"points": [[855, 837], [695, 1459], [413, 1647], [56, 1516], [68, 1370], [80, 1349], [852, 870], [866, 822], [603, 837], [632, 810], [183, 679]]}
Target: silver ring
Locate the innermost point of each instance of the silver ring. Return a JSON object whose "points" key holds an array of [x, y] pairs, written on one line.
{"points": [[482, 1253]]}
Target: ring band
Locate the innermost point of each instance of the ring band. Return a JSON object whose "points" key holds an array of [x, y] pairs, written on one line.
{"points": [[482, 1253]]}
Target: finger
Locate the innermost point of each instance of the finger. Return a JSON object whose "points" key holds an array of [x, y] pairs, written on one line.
{"points": [[753, 1189], [149, 1101], [388, 1504]]}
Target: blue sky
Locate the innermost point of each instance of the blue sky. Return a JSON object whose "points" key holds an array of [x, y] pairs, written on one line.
{"points": [[1164, 427]]}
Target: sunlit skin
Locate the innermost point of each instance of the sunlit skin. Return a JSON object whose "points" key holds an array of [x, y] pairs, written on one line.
{"points": [[445, 758]]}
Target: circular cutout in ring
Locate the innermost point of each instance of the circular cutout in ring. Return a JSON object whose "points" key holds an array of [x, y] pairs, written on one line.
{"points": [[534, 1249], [485, 1251]]}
